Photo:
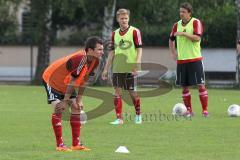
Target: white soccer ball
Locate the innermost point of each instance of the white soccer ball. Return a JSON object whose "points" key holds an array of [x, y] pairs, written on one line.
{"points": [[83, 117], [234, 110], [179, 109]]}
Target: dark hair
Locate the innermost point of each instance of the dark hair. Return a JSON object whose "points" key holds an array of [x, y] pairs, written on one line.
{"points": [[187, 6], [91, 42]]}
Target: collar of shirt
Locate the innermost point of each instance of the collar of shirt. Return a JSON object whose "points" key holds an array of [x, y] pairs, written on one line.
{"points": [[122, 32], [184, 24]]}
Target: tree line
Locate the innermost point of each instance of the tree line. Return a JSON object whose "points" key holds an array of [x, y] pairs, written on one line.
{"points": [[97, 17], [153, 17]]}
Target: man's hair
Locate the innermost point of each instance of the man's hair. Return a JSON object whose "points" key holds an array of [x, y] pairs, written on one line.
{"points": [[187, 6], [123, 11], [91, 42]]}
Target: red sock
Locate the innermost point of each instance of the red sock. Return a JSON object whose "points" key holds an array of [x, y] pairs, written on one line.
{"points": [[203, 96], [57, 128], [136, 103], [75, 125], [118, 106], [186, 95]]}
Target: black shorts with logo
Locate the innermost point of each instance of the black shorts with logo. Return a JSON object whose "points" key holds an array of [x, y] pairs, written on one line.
{"points": [[124, 80], [189, 74], [53, 95]]}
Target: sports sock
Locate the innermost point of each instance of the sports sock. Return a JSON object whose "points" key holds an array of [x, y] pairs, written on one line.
{"points": [[137, 104], [203, 96], [118, 106], [186, 95], [75, 125], [57, 128]]}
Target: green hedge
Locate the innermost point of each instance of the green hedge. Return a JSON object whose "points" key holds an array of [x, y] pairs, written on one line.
{"points": [[219, 19]]}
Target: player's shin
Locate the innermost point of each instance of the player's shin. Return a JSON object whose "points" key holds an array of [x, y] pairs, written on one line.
{"points": [[75, 125], [186, 96], [137, 103], [118, 106], [203, 96], [57, 128]]}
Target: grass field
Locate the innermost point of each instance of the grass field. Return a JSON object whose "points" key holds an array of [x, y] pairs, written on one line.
{"points": [[26, 133]]}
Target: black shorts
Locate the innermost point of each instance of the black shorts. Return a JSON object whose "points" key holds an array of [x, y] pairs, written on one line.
{"points": [[124, 80], [53, 95], [189, 74]]}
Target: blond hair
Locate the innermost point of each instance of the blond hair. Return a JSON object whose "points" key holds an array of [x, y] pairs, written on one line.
{"points": [[123, 11]]}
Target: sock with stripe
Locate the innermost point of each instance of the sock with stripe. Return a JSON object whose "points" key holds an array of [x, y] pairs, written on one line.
{"points": [[57, 128], [186, 95], [203, 96], [76, 126], [118, 106]]}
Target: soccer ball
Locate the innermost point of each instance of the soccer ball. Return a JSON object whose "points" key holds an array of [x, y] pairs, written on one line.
{"points": [[234, 110], [179, 109], [83, 117]]}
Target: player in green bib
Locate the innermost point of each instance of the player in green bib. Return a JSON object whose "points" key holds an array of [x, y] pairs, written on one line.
{"points": [[187, 33], [125, 59]]}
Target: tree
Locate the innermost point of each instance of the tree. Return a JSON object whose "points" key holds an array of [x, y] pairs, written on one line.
{"points": [[8, 20], [109, 14], [47, 11], [44, 35], [154, 18], [237, 2], [58, 14]]}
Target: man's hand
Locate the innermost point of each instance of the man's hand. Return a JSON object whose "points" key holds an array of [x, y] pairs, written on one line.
{"points": [[189, 36], [62, 105], [104, 74], [79, 103], [174, 56], [135, 72], [179, 34]]}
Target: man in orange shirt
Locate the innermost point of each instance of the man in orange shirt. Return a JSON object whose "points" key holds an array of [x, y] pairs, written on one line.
{"points": [[64, 83]]}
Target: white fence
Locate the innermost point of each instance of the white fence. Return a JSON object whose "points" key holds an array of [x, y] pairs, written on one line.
{"points": [[15, 60]]}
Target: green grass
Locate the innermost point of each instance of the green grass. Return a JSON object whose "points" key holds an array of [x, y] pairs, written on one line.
{"points": [[26, 133]]}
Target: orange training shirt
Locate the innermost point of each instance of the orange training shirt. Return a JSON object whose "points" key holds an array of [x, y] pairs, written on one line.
{"points": [[59, 73]]}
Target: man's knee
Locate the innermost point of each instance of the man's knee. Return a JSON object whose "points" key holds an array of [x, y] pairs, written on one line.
{"points": [[133, 93], [56, 108], [75, 109], [201, 86], [118, 92], [185, 89]]}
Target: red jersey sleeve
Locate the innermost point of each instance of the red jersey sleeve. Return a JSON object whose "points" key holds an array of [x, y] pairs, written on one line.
{"points": [[112, 41], [112, 37], [174, 30], [75, 64], [197, 27], [137, 38]]}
